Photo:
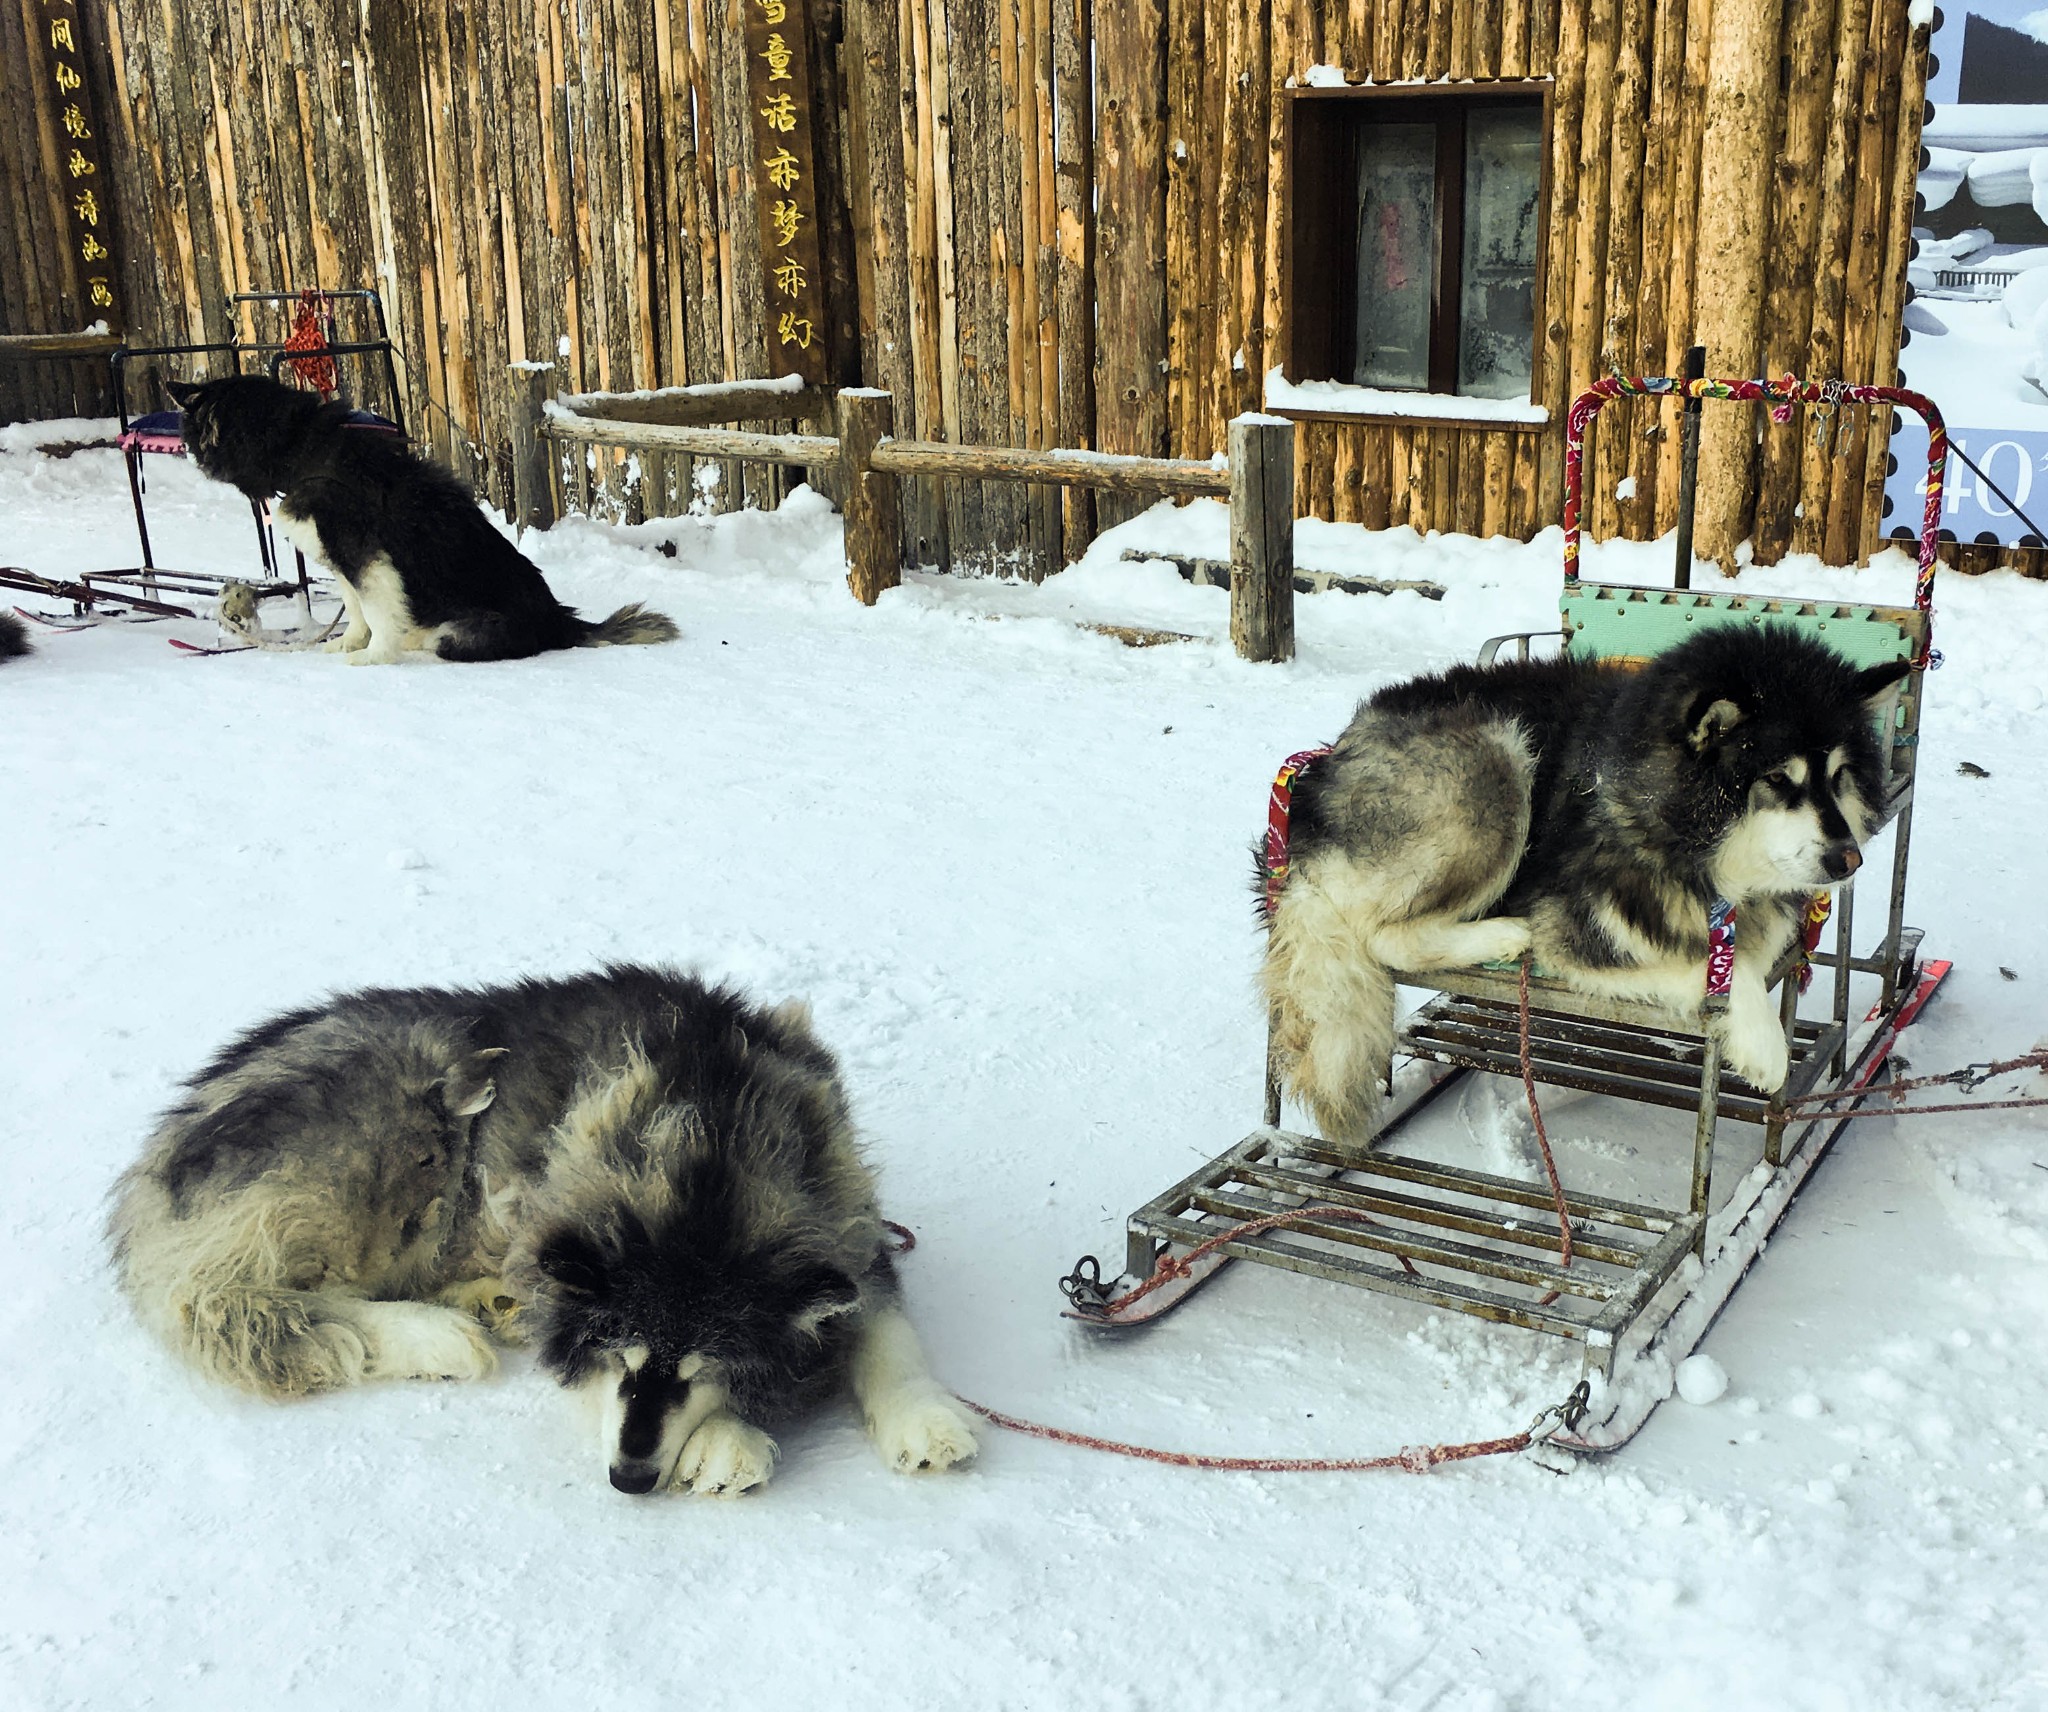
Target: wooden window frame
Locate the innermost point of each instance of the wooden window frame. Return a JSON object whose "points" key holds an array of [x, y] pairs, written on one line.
{"points": [[1319, 304]]}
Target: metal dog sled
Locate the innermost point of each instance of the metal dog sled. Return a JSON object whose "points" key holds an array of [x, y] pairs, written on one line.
{"points": [[305, 357], [1637, 1284]]}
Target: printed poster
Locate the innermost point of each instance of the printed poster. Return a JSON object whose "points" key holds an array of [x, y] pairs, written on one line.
{"points": [[1976, 322]]}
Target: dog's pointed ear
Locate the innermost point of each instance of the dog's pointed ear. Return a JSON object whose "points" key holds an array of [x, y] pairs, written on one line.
{"points": [[571, 1262], [182, 392], [1874, 683], [470, 1084], [1710, 720], [819, 1294]]}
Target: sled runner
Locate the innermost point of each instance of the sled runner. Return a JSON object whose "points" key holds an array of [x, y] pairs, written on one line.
{"points": [[306, 357], [1636, 1283]]}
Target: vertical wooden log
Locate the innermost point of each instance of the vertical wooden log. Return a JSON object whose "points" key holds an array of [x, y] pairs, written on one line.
{"points": [[1616, 452], [1844, 540], [1373, 495], [1831, 264], [873, 506], [1741, 121], [1130, 396], [1667, 72], [533, 490], [1187, 145], [1074, 191], [1554, 379], [1262, 537], [1795, 228], [1347, 482], [1680, 327], [1905, 165], [1499, 460]]}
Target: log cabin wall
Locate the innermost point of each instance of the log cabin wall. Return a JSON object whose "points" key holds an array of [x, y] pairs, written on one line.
{"points": [[569, 182], [1056, 222]]}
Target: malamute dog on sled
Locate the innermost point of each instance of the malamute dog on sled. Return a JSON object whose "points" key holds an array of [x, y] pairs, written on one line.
{"points": [[652, 1179], [1585, 811], [420, 566]]}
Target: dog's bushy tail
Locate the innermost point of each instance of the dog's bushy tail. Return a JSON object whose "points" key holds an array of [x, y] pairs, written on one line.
{"points": [[14, 642], [630, 624], [1332, 1009]]}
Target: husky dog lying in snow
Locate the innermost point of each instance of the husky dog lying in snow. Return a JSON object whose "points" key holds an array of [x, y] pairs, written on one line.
{"points": [[14, 642], [1584, 811], [651, 1178], [420, 566]]}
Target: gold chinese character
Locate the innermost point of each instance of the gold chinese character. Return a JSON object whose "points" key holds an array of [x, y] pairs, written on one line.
{"points": [[780, 112], [778, 56], [784, 216], [102, 294], [60, 35], [92, 249], [774, 10], [788, 326], [87, 207], [67, 78], [74, 123], [789, 279], [78, 166], [781, 169]]}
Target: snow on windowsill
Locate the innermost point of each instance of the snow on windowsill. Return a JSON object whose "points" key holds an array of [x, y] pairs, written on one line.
{"points": [[1339, 398]]}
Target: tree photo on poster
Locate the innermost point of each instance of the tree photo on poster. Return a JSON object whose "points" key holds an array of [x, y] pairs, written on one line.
{"points": [[1976, 323]]}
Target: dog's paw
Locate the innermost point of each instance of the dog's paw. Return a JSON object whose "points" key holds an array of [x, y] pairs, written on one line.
{"points": [[723, 1458], [419, 1340], [491, 1304], [1753, 1046], [374, 656], [1498, 939], [921, 1430]]}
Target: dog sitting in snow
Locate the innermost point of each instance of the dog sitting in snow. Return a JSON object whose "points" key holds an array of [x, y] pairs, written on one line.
{"points": [[420, 566]]}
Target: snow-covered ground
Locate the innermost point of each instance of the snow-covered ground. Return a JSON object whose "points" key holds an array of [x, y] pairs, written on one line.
{"points": [[1007, 859]]}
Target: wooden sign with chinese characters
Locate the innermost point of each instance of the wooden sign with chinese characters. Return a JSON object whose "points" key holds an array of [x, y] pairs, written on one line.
{"points": [[785, 188], [67, 103]]}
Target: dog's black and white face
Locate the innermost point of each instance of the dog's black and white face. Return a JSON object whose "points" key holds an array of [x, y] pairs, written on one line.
{"points": [[661, 1330], [241, 430], [1795, 763]]}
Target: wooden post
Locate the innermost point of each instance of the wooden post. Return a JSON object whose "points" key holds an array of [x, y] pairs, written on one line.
{"points": [[533, 488], [1735, 169], [1262, 537], [873, 506]]}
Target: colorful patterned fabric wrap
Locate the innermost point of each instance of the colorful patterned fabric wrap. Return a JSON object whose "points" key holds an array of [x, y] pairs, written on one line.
{"points": [[1818, 908], [1781, 395], [1720, 948], [313, 370], [1279, 809]]}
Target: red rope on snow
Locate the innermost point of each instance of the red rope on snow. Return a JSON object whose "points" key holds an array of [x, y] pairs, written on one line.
{"points": [[1413, 1459]]}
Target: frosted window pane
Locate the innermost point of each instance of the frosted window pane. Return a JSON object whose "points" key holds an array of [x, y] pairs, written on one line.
{"points": [[1503, 157], [1396, 217]]}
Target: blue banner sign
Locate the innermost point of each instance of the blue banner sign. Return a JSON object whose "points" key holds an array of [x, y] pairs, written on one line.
{"points": [[2015, 460]]}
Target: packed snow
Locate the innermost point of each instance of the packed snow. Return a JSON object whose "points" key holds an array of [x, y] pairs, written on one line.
{"points": [[1007, 859]]}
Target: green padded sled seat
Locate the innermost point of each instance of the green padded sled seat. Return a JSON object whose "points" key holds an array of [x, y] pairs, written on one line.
{"points": [[1612, 621]]}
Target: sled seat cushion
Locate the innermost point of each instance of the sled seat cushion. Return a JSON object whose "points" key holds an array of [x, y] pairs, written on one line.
{"points": [[1611, 621], [159, 431], [164, 430]]}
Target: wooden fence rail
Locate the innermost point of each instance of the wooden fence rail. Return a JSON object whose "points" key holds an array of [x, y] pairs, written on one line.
{"points": [[1258, 480]]}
